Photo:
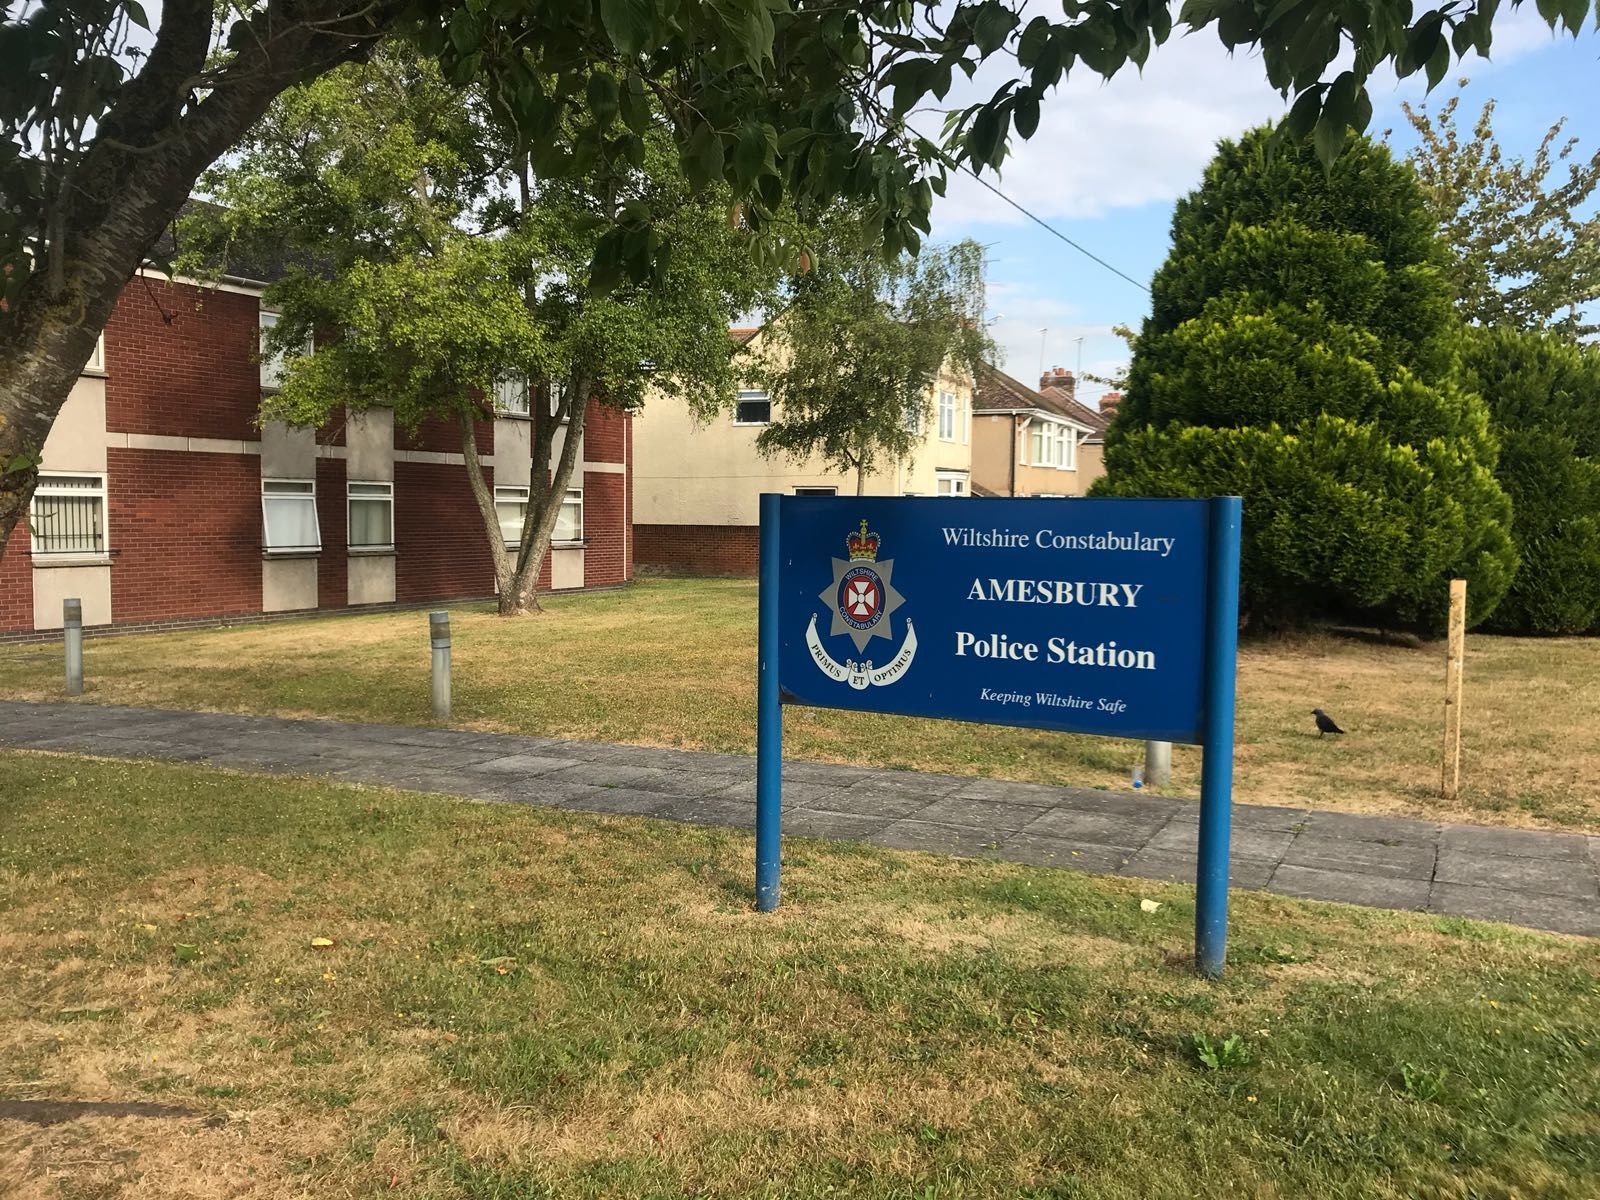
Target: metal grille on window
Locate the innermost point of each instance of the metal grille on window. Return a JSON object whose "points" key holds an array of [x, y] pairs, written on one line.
{"points": [[289, 515], [371, 516], [69, 514]]}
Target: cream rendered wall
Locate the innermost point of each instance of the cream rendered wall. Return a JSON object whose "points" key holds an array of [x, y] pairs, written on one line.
{"points": [[993, 451], [288, 452], [685, 473], [76, 442], [369, 458], [513, 452], [288, 584]]}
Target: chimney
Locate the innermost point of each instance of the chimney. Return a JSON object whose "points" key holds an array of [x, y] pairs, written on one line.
{"points": [[1061, 379], [1109, 402]]}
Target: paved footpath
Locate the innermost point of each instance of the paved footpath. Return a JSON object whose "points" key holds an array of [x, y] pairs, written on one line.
{"points": [[1542, 879]]}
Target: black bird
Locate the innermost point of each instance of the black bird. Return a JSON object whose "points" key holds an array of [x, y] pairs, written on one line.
{"points": [[1325, 723]]}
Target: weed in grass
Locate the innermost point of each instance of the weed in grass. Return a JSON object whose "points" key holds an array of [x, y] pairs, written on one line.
{"points": [[1226, 1054], [1421, 1083]]}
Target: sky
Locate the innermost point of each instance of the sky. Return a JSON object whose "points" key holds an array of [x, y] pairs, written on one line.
{"points": [[1110, 159]]}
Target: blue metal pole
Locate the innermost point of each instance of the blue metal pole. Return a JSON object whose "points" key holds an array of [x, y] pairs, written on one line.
{"points": [[769, 716], [1216, 771]]}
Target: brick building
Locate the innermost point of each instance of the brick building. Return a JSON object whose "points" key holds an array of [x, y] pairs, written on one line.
{"points": [[163, 498]]}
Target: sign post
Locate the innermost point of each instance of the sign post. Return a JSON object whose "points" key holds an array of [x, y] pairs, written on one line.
{"points": [[1111, 617]]}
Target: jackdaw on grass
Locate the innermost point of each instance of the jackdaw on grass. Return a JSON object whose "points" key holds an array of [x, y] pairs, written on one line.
{"points": [[1325, 723]]}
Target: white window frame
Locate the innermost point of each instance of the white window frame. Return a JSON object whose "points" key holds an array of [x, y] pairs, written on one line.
{"points": [[947, 416], [97, 361], [960, 486], [508, 387], [96, 493], [272, 365], [752, 396], [316, 520], [965, 406], [566, 500], [387, 496], [511, 495], [1069, 449]]}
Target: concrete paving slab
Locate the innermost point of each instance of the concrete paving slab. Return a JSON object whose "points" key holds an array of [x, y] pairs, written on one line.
{"points": [[1103, 829], [704, 810], [1559, 914], [1540, 877], [1182, 834], [1515, 843], [795, 794], [1266, 816], [645, 779], [993, 815], [1361, 827], [1374, 891], [816, 823], [526, 764], [1180, 868], [1038, 795], [1058, 852], [1407, 861], [867, 800], [937, 839]]}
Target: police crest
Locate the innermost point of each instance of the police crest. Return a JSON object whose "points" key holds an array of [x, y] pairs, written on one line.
{"points": [[862, 601]]}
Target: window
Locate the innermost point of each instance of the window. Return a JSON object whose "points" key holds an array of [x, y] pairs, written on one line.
{"points": [[816, 491], [1052, 445], [272, 365], [914, 419], [569, 521], [556, 389], [952, 484], [966, 421], [947, 416], [511, 505], [511, 396], [289, 516], [97, 361], [371, 516], [753, 408], [1037, 441], [1069, 449], [69, 514]]}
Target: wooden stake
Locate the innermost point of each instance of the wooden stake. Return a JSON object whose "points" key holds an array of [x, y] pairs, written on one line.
{"points": [[1450, 775]]}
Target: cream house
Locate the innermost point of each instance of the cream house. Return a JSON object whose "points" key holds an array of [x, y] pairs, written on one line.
{"points": [[697, 484], [1034, 443]]}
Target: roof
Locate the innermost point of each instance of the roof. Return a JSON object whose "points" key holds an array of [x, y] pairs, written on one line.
{"points": [[744, 336], [243, 267], [999, 392]]}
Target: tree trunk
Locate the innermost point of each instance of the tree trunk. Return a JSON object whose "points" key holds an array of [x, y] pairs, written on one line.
{"points": [[148, 150], [861, 476], [504, 566], [540, 522]]}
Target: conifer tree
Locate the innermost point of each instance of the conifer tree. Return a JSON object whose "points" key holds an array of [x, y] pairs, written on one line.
{"points": [[1302, 352]]}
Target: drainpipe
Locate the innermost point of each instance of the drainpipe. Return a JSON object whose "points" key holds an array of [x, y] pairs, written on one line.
{"points": [[1016, 434]]}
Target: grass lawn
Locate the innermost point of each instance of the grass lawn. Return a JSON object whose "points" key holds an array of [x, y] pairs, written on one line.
{"points": [[672, 663], [521, 1003]]}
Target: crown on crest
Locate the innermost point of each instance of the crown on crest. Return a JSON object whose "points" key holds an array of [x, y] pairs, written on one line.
{"points": [[863, 545]]}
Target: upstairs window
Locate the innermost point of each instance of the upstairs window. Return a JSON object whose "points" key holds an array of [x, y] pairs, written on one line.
{"points": [[947, 416], [753, 408], [272, 364], [1053, 446], [289, 516], [511, 397], [97, 361], [371, 516], [69, 514]]}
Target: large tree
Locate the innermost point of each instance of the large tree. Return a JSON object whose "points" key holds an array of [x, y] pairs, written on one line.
{"points": [[439, 269], [104, 128], [1543, 393], [1524, 233], [1302, 352], [860, 345]]}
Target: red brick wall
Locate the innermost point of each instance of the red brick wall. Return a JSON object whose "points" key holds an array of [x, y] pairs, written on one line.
{"points": [[443, 436], [185, 533], [439, 539], [16, 582], [603, 499], [698, 549], [333, 573], [604, 429], [182, 362]]}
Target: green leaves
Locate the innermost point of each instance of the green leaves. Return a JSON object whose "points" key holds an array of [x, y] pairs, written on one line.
{"points": [[627, 23]]}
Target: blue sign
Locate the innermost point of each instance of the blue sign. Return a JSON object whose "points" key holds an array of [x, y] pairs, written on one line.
{"points": [[1081, 615], [1116, 617]]}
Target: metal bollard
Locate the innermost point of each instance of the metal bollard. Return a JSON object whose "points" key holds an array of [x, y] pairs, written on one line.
{"points": [[1157, 764], [72, 631], [439, 635]]}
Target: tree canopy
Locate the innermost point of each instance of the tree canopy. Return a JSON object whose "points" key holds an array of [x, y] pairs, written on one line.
{"points": [[1524, 234], [1301, 352]]}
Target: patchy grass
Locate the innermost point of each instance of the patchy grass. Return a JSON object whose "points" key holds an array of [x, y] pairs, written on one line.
{"points": [[526, 1003], [672, 663]]}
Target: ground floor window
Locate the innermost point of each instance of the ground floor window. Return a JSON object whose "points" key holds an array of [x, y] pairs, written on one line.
{"points": [[69, 514], [371, 516], [511, 506], [289, 516], [816, 491], [952, 485], [569, 522]]}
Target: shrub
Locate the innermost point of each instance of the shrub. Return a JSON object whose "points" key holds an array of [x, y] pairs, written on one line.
{"points": [[1302, 352]]}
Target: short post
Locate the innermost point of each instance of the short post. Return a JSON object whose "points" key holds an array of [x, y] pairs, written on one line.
{"points": [[1157, 764], [769, 716], [1216, 770], [439, 635], [1455, 654], [72, 631]]}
